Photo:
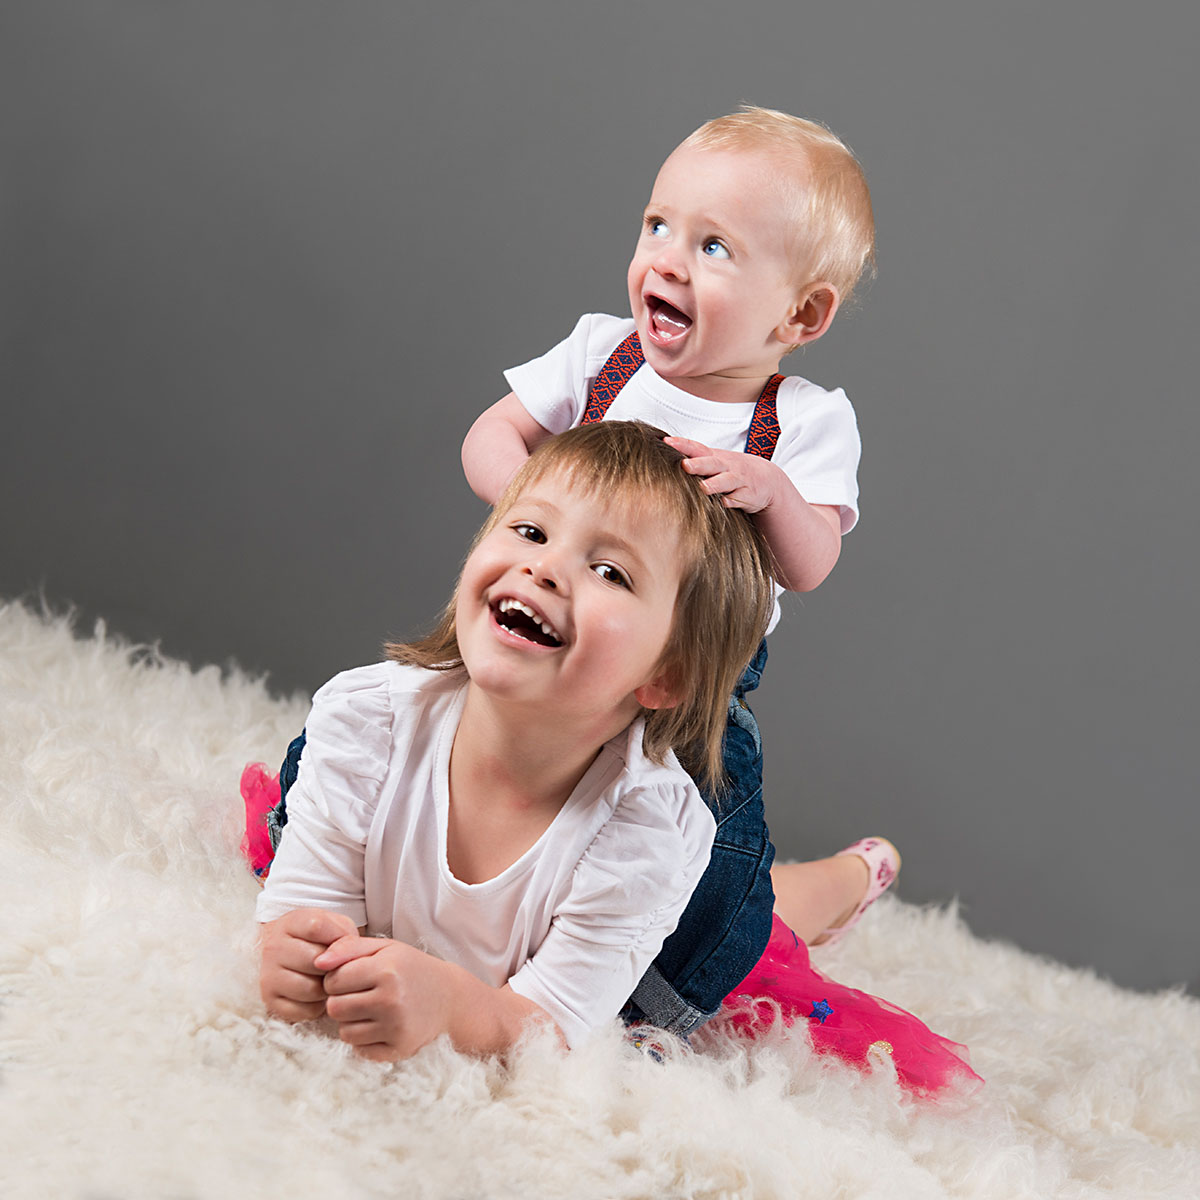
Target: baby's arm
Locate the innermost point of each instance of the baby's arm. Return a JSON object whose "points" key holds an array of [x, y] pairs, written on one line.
{"points": [[389, 999], [291, 984], [805, 539], [496, 446]]}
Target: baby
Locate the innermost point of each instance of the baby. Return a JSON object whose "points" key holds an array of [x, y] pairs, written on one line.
{"points": [[758, 228]]}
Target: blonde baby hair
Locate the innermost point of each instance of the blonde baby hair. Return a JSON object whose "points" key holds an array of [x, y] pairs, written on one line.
{"points": [[825, 185], [725, 588]]}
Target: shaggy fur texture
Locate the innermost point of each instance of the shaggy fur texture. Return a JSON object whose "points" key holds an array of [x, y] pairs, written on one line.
{"points": [[137, 1061]]}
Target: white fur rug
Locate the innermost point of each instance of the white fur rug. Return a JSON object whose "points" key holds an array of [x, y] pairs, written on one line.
{"points": [[136, 1060]]}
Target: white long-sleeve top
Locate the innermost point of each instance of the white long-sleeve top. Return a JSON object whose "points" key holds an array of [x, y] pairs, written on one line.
{"points": [[571, 925]]}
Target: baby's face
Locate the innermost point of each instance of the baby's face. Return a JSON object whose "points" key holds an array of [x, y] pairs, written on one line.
{"points": [[713, 277]]}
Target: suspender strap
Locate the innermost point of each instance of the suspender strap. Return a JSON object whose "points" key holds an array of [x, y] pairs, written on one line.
{"points": [[614, 375], [625, 360], [764, 424]]}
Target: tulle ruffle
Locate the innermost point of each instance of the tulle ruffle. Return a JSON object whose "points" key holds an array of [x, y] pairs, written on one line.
{"points": [[260, 794], [855, 1026]]}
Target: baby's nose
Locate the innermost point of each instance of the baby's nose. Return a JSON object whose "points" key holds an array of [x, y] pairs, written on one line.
{"points": [[669, 263]]}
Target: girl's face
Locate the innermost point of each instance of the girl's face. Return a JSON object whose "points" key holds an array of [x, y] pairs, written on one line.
{"points": [[568, 603]]}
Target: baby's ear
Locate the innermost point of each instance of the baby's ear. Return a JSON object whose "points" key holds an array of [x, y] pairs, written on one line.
{"points": [[658, 692], [811, 315]]}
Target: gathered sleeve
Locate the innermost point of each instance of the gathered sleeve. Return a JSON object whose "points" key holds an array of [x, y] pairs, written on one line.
{"points": [[348, 742], [627, 894], [553, 389], [819, 446]]}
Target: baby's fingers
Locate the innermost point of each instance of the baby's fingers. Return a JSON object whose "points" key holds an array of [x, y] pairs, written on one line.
{"points": [[733, 492], [704, 464], [721, 484], [688, 447]]}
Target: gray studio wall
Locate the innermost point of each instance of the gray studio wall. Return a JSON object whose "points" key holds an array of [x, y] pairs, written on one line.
{"points": [[263, 262]]}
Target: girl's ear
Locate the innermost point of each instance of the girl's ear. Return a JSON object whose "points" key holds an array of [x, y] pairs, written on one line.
{"points": [[811, 316], [658, 692]]}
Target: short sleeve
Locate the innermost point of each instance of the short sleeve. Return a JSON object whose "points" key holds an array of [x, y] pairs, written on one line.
{"points": [[553, 389], [627, 894], [348, 740], [819, 446]]}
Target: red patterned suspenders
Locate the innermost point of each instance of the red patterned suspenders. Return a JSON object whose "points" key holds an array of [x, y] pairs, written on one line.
{"points": [[764, 424], [625, 360], [615, 374]]}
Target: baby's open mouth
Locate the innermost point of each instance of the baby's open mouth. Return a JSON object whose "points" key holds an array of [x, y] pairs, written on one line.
{"points": [[520, 619], [666, 320]]}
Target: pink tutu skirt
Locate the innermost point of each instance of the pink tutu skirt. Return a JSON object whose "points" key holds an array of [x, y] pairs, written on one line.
{"points": [[260, 794], [843, 1021]]}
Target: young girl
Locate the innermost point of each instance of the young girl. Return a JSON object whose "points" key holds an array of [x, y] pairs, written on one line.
{"points": [[493, 827]]}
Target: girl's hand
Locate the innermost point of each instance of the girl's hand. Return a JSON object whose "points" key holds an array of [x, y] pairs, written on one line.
{"points": [[388, 998], [745, 480], [292, 985]]}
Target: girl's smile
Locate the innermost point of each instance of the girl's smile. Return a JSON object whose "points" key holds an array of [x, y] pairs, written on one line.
{"points": [[568, 602], [523, 621]]}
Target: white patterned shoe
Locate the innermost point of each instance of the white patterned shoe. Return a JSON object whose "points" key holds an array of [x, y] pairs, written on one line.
{"points": [[883, 864]]}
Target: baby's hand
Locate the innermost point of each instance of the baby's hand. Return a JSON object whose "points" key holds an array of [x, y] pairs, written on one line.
{"points": [[290, 982], [744, 480], [388, 998]]}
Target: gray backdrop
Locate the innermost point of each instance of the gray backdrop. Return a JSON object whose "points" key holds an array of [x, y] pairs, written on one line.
{"points": [[264, 261]]}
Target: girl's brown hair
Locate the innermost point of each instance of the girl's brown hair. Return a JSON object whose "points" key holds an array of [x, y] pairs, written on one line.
{"points": [[725, 588]]}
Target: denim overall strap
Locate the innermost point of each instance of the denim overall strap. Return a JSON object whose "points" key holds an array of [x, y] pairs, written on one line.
{"points": [[624, 361]]}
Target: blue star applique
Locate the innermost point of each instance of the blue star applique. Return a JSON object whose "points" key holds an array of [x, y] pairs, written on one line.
{"points": [[821, 1009]]}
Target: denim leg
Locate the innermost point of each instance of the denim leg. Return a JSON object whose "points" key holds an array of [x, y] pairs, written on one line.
{"points": [[277, 817], [727, 923]]}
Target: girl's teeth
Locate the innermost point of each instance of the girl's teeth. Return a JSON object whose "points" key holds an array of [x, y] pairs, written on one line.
{"points": [[509, 604]]}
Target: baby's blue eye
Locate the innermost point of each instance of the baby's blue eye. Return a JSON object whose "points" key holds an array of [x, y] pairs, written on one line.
{"points": [[656, 228], [714, 249], [610, 574]]}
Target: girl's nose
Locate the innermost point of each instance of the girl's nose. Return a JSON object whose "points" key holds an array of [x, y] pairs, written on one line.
{"points": [[547, 573]]}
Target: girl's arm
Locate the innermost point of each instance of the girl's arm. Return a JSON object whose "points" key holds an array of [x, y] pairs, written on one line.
{"points": [[389, 999], [805, 539], [496, 446]]}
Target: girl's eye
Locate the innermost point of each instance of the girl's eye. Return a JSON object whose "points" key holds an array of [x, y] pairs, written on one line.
{"points": [[610, 574], [531, 533], [714, 249], [656, 228]]}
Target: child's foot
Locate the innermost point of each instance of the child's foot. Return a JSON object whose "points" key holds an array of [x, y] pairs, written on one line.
{"points": [[881, 861]]}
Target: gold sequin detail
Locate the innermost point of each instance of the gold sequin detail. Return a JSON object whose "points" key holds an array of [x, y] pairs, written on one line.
{"points": [[885, 1047]]}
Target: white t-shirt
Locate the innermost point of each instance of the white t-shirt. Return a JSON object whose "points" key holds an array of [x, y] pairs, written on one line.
{"points": [[818, 444], [572, 924]]}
